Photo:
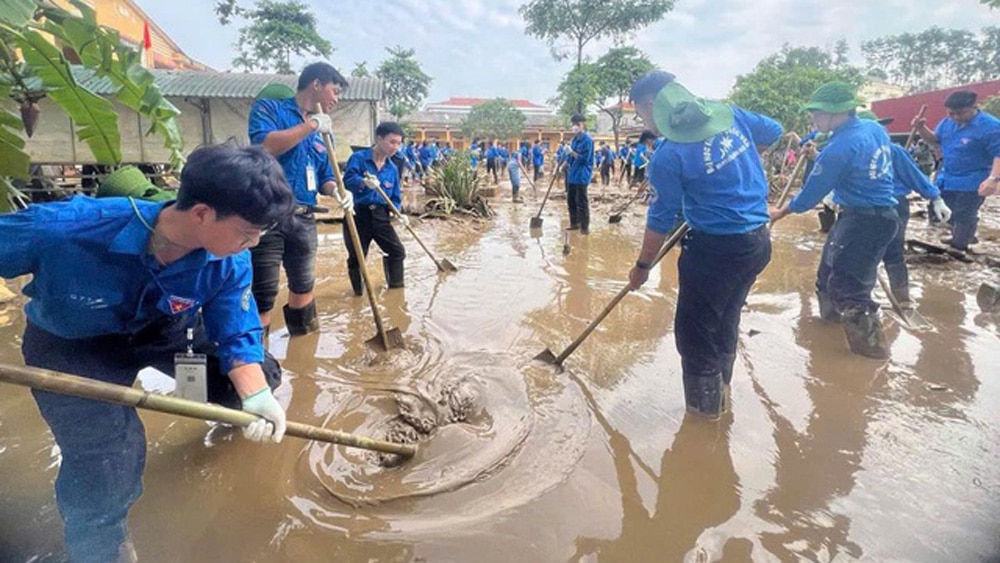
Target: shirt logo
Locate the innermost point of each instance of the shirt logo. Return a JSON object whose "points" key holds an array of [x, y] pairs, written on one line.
{"points": [[180, 304], [320, 147], [245, 300], [966, 140], [723, 149], [881, 163]]}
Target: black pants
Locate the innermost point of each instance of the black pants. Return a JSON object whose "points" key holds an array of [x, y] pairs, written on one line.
{"points": [[638, 176], [579, 205], [491, 168], [374, 225], [964, 216], [851, 255], [605, 175], [628, 172], [292, 244], [709, 304], [538, 171], [895, 262]]}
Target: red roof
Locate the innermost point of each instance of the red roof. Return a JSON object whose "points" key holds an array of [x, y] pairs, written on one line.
{"points": [[904, 109], [469, 102]]}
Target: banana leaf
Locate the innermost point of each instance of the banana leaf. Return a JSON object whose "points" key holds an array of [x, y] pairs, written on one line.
{"points": [[16, 13]]}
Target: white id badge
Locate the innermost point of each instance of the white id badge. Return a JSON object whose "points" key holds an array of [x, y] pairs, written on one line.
{"points": [[310, 178], [191, 375]]}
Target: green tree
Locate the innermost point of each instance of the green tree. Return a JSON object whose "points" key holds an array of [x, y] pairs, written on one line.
{"points": [[578, 89], [32, 68], [616, 71], [406, 84], [782, 82], [582, 21], [495, 119], [991, 105], [360, 70], [273, 33], [936, 57], [991, 3]]}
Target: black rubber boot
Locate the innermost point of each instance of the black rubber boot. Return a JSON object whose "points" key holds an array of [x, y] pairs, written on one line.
{"points": [[704, 396], [864, 335], [827, 310], [301, 321], [393, 272], [357, 284]]}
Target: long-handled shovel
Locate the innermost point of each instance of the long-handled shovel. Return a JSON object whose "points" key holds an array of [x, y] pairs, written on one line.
{"points": [[536, 221], [388, 339], [527, 178], [617, 216], [444, 265], [913, 132], [548, 357], [910, 317], [788, 185], [56, 382]]}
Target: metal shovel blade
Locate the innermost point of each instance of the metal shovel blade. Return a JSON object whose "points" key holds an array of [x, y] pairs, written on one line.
{"points": [[617, 218], [988, 297], [447, 266], [547, 356], [394, 337], [536, 223]]}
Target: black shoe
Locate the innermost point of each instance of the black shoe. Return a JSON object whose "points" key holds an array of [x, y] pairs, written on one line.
{"points": [[704, 396], [573, 227], [301, 321], [584, 230], [864, 335]]}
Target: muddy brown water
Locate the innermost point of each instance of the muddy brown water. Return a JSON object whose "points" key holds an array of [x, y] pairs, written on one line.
{"points": [[827, 456]]}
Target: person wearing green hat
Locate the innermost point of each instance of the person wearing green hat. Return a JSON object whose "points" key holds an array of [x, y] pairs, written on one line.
{"points": [[856, 164], [906, 177], [707, 168]]}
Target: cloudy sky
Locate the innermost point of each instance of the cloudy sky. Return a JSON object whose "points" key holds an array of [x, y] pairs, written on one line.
{"points": [[478, 48]]}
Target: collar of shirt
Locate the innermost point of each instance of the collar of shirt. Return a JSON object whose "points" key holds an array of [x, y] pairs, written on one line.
{"points": [[134, 237]]}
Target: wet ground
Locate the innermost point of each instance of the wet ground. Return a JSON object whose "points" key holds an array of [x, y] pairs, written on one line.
{"points": [[827, 456]]}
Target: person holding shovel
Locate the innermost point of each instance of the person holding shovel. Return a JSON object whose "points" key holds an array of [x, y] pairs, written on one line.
{"points": [[579, 172], [970, 170], [857, 165], [291, 130], [367, 169], [121, 284], [906, 177], [707, 168]]}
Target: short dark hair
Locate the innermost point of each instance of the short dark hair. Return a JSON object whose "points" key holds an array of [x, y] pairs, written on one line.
{"points": [[234, 180], [389, 128], [323, 72], [649, 85], [647, 136], [960, 100], [578, 118]]}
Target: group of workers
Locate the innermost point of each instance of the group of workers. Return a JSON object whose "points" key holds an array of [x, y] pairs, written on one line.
{"points": [[119, 284]]}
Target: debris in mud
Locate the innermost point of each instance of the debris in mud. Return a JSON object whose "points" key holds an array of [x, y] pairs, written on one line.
{"points": [[419, 417], [753, 332]]}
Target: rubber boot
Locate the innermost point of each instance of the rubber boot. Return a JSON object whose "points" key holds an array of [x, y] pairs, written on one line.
{"points": [[393, 272], [301, 321], [357, 284], [727, 377], [704, 396], [827, 310], [864, 335]]}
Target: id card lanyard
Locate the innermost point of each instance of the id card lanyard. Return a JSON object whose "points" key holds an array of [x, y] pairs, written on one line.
{"points": [[191, 373]]}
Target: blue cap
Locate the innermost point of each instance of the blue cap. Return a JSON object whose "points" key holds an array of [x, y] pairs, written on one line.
{"points": [[649, 84]]}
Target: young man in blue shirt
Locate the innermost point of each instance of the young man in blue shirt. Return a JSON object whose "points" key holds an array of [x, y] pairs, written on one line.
{"points": [[709, 170], [537, 159], [906, 177], [116, 285], [857, 165], [579, 172], [970, 169], [291, 130], [367, 169]]}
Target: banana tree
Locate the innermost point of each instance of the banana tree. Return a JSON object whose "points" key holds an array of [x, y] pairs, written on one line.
{"points": [[43, 70]]}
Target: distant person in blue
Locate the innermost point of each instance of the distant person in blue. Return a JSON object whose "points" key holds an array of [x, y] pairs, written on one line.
{"points": [[907, 177], [625, 153], [857, 165], [537, 159], [970, 168], [641, 156], [116, 285], [709, 170], [290, 129], [514, 172], [366, 170], [492, 161], [426, 155], [579, 172], [606, 160]]}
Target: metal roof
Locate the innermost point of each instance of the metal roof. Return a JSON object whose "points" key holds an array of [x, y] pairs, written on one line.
{"points": [[201, 84]]}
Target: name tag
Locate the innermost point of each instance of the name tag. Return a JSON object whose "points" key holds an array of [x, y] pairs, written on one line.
{"points": [[310, 178], [191, 375]]}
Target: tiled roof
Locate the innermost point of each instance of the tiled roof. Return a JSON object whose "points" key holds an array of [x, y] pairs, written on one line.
{"points": [[470, 102]]}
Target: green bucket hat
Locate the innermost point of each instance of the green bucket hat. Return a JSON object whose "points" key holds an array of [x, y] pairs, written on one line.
{"points": [[129, 181], [870, 116], [833, 97], [684, 118], [276, 91]]}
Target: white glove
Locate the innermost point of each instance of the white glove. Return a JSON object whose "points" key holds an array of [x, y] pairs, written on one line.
{"points": [[403, 219], [941, 209], [346, 201], [371, 182], [324, 125], [828, 201], [263, 404]]}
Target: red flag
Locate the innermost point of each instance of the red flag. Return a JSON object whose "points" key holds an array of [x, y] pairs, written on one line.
{"points": [[147, 41]]}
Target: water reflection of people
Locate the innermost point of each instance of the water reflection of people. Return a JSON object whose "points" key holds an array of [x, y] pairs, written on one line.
{"points": [[697, 490]]}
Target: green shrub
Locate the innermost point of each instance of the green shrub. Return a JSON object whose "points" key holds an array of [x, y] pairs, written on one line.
{"points": [[455, 187]]}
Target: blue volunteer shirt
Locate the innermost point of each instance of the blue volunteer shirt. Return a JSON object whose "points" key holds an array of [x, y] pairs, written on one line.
{"points": [[637, 158], [426, 156], [581, 166], [856, 163], [718, 183], [537, 155], [309, 155], [354, 175], [92, 276], [907, 176], [968, 151]]}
